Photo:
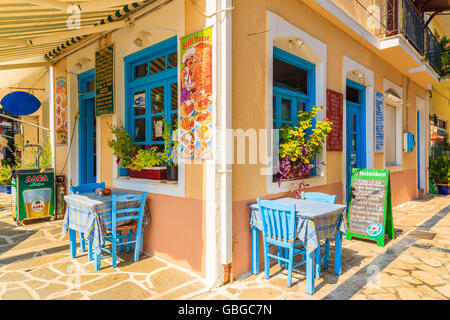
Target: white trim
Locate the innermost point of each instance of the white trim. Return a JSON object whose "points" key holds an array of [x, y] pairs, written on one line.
{"points": [[368, 79], [317, 51], [398, 125]]}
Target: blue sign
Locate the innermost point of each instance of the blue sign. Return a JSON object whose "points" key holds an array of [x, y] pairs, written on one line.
{"points": [[20, 103], [379, 122]]}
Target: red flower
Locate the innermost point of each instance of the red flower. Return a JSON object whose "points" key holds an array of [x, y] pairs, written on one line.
{"points": [[133, 152], [298, 137], [321, 107], [117, 160], [147, 146], [326, 119]]}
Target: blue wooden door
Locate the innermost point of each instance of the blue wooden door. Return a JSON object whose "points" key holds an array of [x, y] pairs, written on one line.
{"points": [[87, 142], [418, 149], [356, 137]]}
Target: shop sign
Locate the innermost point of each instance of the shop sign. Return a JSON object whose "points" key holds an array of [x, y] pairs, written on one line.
{"points": [[104, 81], [379, 122], [334, 114], [61, 108], [370, 207], [197, 97]]}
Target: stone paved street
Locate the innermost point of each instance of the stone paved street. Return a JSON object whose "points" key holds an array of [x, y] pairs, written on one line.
{"points": [[35, 263]]}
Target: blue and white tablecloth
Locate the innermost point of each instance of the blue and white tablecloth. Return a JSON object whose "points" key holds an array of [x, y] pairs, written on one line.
{"points": [[91, 214], [315, 220]]}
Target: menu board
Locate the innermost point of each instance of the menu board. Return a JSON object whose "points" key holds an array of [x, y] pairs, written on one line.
{"points": [[334, 114], [61, 108], [196, 99], [379, 122], [370, 207], [104, 81]]}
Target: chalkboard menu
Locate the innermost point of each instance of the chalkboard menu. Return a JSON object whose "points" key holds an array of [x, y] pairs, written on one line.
{"points": [[334, 114], [104, 81], [370, 207]]}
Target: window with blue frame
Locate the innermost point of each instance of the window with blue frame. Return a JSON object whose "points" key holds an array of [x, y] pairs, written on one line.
{"points": [[151, 92], [293, 88]]}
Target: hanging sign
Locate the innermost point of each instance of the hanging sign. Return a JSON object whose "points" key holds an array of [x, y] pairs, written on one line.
{"points": [[20, 103], [379, 122], [370, 207], [196, 102], [334, 114], [104, 81], [61, 108]]}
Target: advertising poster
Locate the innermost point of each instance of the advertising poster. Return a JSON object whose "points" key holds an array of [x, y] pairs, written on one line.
{"points": [[196, 102], [104, 81], [379, 122], [61, 108]]}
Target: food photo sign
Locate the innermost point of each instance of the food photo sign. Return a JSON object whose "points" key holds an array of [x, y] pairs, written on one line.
{"points": [[196, 102], [61, 108]]}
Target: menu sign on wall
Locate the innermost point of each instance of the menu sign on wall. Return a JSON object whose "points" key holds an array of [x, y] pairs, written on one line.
{"points": [[379, 122], [196, 100], [334, 114], [104, 81], [370, 207], [61, 108]]}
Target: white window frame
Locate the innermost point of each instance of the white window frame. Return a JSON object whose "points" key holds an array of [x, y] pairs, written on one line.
{"points": [[278, 27], [398, 104]]}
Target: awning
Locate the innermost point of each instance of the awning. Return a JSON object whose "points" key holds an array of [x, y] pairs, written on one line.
{"points": [[31, 28]]}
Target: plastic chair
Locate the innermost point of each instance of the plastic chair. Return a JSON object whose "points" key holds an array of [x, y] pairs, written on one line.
{"points": [[114, 236], [325, 198], [279, 229], [85, 188]]}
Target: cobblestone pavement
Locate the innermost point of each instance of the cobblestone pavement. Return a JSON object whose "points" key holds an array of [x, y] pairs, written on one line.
{"points": [[35, 263]]}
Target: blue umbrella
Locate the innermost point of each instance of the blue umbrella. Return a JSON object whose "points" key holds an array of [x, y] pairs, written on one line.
{"points": [[20, 103]]}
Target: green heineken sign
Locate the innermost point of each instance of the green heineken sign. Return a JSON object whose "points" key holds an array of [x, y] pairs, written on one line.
{"points": [[370, 206]]}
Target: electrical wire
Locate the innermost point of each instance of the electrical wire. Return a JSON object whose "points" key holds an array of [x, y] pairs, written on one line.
{"points": [[70, 144]]}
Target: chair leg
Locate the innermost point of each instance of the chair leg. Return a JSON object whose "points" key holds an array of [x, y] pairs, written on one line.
{"points": [[82, 242], [280, 253], [290, 265], [326, 254], [120, 245], [90, 250], [129, 239], [318, 260], [73, 242], [266, 260], [137, 247], [114, 250]]}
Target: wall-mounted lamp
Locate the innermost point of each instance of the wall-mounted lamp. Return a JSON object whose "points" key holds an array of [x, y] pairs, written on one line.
{"points": [[142, 36], [298, 43]]}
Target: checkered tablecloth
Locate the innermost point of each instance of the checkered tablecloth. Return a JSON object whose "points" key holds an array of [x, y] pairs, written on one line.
{"points": [[91, 215], [315, 220]]}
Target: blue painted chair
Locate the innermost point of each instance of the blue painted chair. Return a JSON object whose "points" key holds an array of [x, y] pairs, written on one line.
{"points": [[279, 229], [325, 198], [115, 237], [86, 188]]}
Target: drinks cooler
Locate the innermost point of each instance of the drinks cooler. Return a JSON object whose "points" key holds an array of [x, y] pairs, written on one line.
{"points": [[32, 194]]}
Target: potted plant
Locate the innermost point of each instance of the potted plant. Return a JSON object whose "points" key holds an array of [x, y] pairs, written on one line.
{"points": [[440, 173], [445, 55], [299, 145], [5, 177], [123, 146], [146, 163], [170, 155]]}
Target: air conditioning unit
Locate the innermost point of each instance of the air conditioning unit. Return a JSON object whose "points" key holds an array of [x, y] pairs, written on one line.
{"points": [[408, 142]]}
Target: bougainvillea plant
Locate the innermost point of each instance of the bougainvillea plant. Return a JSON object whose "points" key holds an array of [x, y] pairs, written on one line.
{"points": [[298, 147]]}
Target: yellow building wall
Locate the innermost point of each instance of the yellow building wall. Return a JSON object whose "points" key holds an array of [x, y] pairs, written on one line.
{"points": [[440, 101]]}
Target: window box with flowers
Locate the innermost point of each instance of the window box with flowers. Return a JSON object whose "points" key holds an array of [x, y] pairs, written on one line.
{"points": [[298, 147], [147, 164]]}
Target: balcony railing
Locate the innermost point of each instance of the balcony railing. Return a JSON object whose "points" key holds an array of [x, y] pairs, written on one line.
{"points": [[433, 52], [413, 27]]}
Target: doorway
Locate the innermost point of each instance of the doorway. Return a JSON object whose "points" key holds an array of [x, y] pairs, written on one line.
{"points": [[355, 128], [87, 150]]}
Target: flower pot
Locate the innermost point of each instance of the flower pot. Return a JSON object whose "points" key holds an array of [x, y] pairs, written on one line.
{"points": [[123, 172], [172, 173], [443, 189], [157, 173], [8, 189]]}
